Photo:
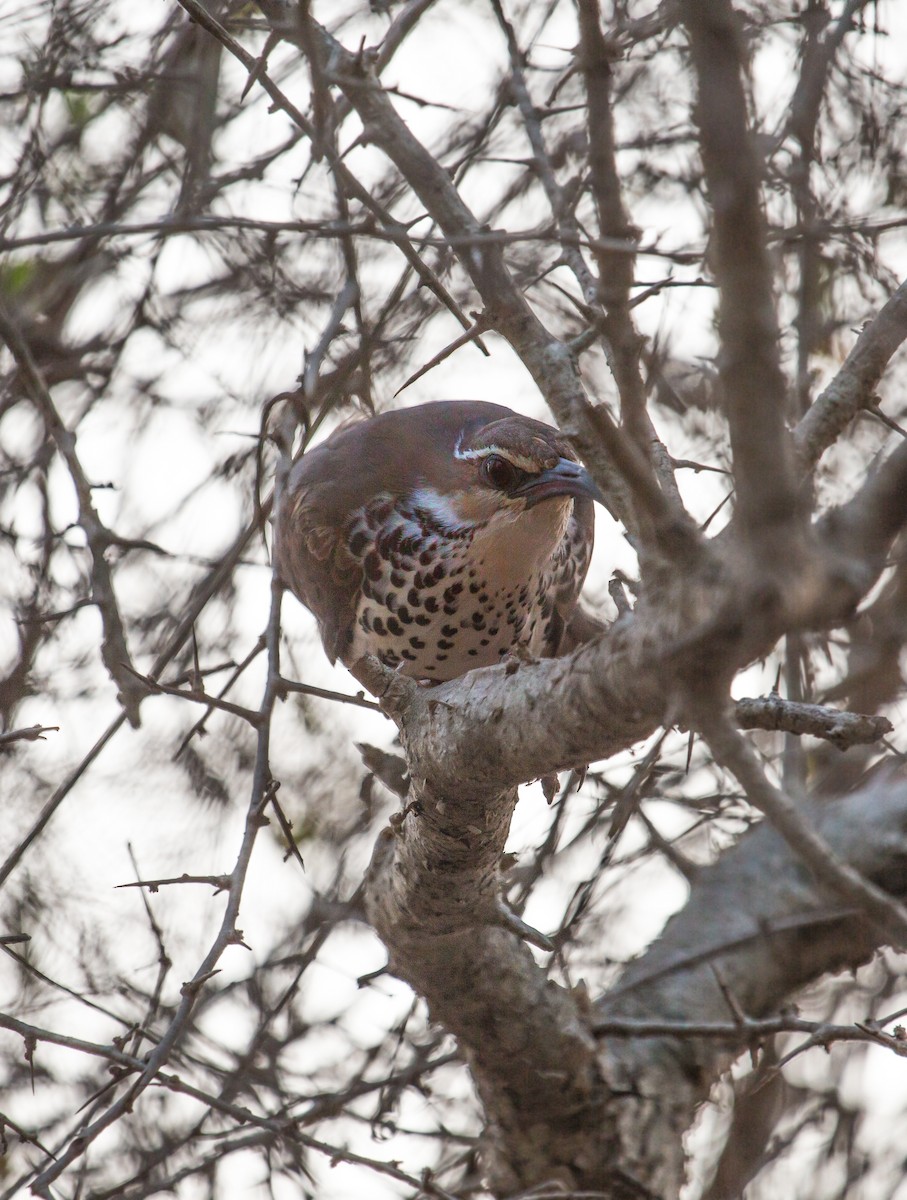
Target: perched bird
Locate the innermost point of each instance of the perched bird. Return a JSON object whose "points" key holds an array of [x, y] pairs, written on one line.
{"points": [[439, 538]]}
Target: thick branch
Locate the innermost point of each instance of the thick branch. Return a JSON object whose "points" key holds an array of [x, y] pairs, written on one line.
{"points": [[739, 942], [819, 48], [432, 895], [853, 388], [750, 368], [499, 726], [615, 269], [861, 531], [842, 729], [733, 753]]}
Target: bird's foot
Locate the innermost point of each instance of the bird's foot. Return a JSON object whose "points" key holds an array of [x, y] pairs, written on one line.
{"points": [[518, 656]]}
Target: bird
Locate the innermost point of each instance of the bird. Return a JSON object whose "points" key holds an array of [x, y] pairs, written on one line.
{"points": [[440, 538]]}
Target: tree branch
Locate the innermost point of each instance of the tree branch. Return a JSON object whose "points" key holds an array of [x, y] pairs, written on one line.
{"points": [[736, 936], [853, 388], [114, 650], [842, 729], [859, 533], [615, 269], [753, 383], [733, 753]]}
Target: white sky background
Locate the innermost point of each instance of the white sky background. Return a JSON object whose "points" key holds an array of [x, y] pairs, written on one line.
{"points": [[134, 796]]}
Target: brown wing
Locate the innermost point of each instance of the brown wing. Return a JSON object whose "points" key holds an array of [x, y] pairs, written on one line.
{"points": [[315, 564]]}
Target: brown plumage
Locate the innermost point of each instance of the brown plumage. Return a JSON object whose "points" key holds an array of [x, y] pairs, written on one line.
{"points": [[439, 538]]}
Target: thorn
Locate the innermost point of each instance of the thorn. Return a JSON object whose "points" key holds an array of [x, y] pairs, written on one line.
{"points": [[517, 925], [550, 785]]}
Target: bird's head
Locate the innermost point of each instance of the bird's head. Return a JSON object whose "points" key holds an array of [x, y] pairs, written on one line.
{"points": [[499, 470]]}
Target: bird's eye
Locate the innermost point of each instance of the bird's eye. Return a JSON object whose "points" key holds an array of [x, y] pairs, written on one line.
{"points": [[500, 473]]}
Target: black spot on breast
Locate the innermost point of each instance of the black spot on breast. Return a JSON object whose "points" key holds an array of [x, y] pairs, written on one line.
{"points": [[394, 627], [412, 597], [378, 626], [473, 651], [445, 644], [453, 591], [417, 643], [404, 614], [371, 564], [408, 655], [358, 542], [397, 580], [449, 630], [431, 604], [388, 542], [421, 619]]}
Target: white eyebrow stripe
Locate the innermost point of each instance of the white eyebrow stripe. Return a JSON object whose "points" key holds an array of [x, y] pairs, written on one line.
{"points": [[518, 460], [482, 452]]}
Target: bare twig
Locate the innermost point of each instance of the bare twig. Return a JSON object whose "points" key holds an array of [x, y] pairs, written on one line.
{"points": [[220, 883], [200, 597], [747, 1030], [308, 689], [842, 729], [198, 696], [34, 733], [820, 45], [473, 333]]}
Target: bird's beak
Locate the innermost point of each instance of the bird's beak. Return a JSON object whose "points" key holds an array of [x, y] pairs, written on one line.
{"points": [[566, 478]]}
